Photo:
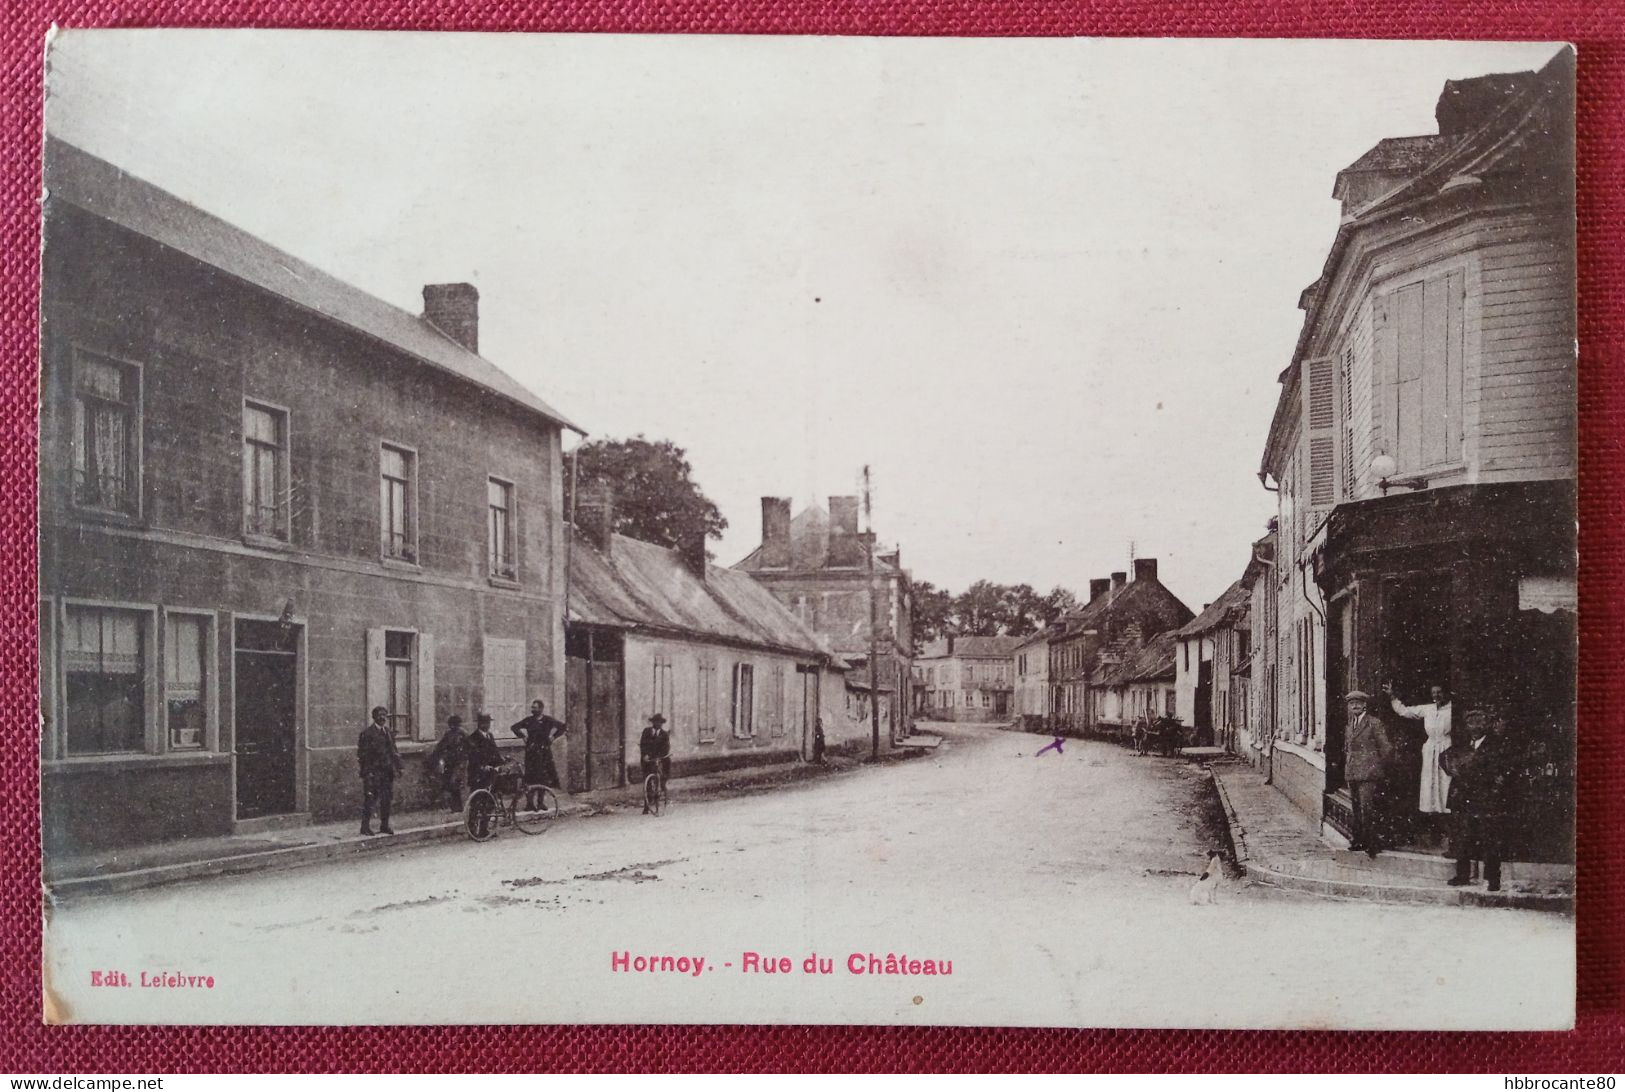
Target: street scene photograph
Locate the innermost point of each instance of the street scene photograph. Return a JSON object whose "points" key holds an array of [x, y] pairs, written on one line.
{"points": [[698, 529]]}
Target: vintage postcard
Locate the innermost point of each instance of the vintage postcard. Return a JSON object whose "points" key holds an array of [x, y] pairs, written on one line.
{"points": [[544, 529]]}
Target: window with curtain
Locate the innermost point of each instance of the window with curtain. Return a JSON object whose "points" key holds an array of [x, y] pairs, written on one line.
{"points": [[186, 647], [399, 682], [106, 432], [104, 676]]}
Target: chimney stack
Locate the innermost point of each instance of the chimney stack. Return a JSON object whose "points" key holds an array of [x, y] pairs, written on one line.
{"points": [[454, 310], [692, 551], [1145, 568], [1098, 588], [775, 532], [595, 518], [1118, 580], [845, 547]]}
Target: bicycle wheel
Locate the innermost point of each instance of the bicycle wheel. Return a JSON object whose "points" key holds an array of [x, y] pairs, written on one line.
{"points": [[654, 794], [536, 807], [480, 815]]}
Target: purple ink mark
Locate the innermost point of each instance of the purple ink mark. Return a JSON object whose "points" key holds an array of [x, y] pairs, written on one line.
{"points": [[1056, 747]]}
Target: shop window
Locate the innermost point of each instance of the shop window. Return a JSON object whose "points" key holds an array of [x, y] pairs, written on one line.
{"points": [[186, 681], [104, 661]]}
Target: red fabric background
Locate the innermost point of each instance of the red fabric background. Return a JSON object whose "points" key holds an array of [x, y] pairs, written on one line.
{"points": [[1598, 1044]]}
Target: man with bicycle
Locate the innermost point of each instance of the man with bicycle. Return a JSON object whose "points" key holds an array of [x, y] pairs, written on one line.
{"points": [[654, 752], [484, 759]]}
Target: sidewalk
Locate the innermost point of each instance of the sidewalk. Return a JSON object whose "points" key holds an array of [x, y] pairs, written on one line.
{"points": [[1278, 845], [132, 868]]}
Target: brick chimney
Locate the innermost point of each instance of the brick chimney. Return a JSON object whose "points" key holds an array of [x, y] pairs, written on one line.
{"points": [[595, 518], [775, 532], [1145, 568], [454, 310], [1099, 587], [692, 551], [1118, 580], [845, 547]]}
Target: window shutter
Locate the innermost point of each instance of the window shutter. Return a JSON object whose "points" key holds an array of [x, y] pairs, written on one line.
{"points": [[425, 687], [1320, 433], [377, 687]]}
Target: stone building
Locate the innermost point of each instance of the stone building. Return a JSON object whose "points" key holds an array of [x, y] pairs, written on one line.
{"points": [[268, 502], [817, 565], [1424, 446], [1032, 680], [968, 678], [1091, 642], [1209, 646]]}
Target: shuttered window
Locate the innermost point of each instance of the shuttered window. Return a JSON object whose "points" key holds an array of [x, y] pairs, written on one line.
{"points": [[705, 701], [1320, 447], [1420, 336], [744, 701], [1350, 483]]}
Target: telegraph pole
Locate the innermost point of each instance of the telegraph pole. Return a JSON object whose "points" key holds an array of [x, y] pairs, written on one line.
{"points": [[874, 623]]}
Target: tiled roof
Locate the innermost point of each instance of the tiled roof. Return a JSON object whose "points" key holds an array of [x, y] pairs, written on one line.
{"points": [[98, 187], [1401, 154], [973, 647], [1222, 611], [641, 585], [1155, 660]]}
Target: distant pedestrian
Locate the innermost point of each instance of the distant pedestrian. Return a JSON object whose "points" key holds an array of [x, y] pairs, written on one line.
{"points": [[539, 731], [447, 760], [1480, 772], [379, 762], [1369, 751], [818, 741]]}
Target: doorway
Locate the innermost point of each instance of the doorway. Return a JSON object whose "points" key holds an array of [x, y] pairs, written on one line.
{"points": [[266, 684], [594, 702]]}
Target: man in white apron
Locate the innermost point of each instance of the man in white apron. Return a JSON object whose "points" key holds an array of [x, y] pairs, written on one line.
{"points": [[1435, 718]]}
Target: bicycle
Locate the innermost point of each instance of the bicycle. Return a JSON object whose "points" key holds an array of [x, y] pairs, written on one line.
{"points": [[508, 802], [654, 793]]}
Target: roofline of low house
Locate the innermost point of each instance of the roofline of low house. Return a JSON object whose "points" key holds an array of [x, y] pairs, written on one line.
{"points": [[677, 632], [65, 197]]}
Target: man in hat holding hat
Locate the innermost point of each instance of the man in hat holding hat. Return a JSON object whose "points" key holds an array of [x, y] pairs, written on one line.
{"points": [[447, 760], [654, 750], [1368, 751]]}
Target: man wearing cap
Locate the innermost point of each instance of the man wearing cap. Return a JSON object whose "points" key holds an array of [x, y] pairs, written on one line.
{"points": [[447, 760], [1369, 750], [654, 750], [1480, 773]]}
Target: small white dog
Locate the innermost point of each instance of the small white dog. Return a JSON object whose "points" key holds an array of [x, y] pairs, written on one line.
{"points": [[1206, 887]]}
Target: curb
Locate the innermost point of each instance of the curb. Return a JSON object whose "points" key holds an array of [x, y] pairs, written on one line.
{"points": [[1273, 873], [273, 860]]}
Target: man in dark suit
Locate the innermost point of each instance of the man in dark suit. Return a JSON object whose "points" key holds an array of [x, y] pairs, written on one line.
{"points": [[1369, 749], [447, 759], [379, 761], [539, 731], [1480, 773]]}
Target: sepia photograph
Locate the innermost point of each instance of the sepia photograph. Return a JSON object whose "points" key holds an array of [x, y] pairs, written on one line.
{"points": [[543, 529]]}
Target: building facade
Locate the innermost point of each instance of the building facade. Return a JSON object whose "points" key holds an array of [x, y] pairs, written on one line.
{"points": [[818, 566], [969, 678], [1209, 647], [1424, 447], [652, 630], [1259, 666], [268, 502], [1091, 643], [1032, 679]]}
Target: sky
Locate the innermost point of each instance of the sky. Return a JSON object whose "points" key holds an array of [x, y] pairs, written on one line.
{"points": [[1043, 287]]}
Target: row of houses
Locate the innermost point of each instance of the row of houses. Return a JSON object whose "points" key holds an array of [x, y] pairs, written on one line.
{"points": [[1422, 453], [270, 502]]}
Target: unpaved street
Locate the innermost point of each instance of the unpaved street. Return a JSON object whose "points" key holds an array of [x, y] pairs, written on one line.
{"points": [[1055, 884]]}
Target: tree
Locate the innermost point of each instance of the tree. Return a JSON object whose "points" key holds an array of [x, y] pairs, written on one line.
{"points": [[656, 500], [933, 611]]}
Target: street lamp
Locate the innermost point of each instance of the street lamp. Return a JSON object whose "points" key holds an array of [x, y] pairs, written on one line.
{"points": [[1383, 467]]}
